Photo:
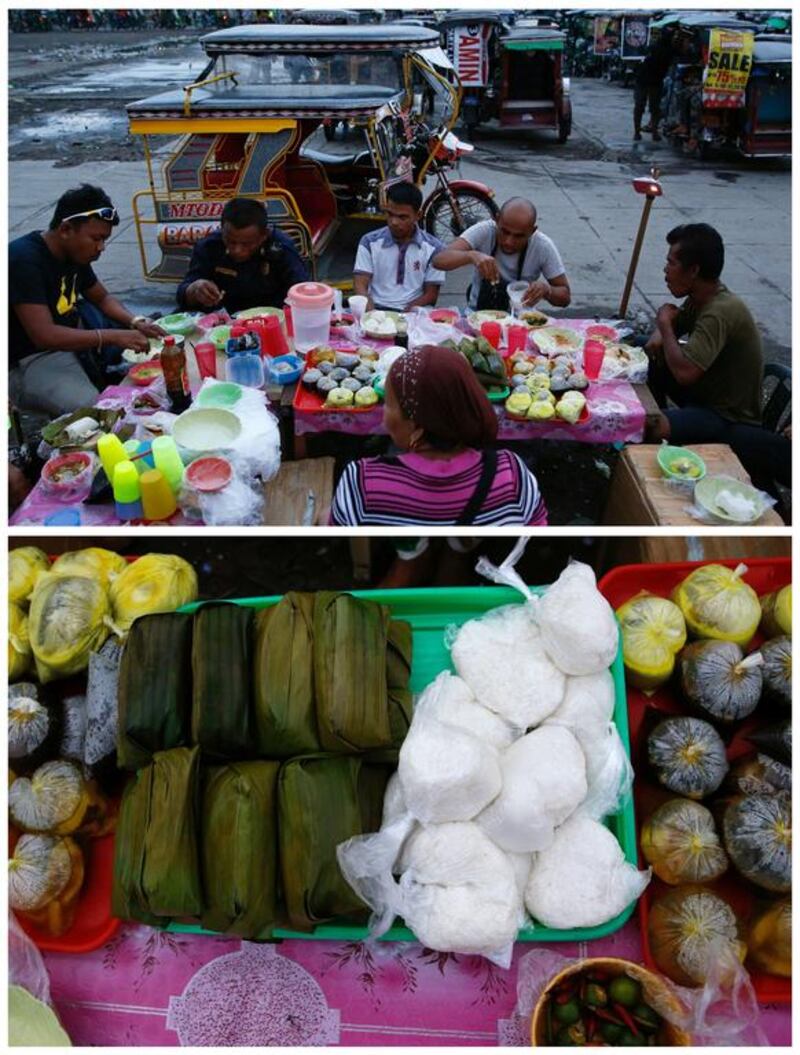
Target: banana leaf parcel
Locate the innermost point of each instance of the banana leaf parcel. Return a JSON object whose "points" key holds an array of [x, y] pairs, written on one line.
{"points": [[156, 865], [285, 717], [318, 808], [372, 781], [350, 673], [240, 848], [398, 673], [222, 665], [155, 688]]}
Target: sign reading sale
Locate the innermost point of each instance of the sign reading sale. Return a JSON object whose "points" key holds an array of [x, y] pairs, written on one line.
{"points": [[471, 54], [730, 59]]}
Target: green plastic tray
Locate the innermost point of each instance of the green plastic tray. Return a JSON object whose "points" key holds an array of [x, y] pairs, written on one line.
{"points": [[429, 612]]}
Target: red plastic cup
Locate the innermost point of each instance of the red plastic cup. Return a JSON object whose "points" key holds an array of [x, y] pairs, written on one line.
{"points": [[517, 338], [492, 331], [206, 355], [593, 355], [287, 314], [273, 343]]}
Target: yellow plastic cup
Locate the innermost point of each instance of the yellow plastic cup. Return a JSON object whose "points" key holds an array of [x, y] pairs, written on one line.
{"points": [[111, 451], [158, 501]]}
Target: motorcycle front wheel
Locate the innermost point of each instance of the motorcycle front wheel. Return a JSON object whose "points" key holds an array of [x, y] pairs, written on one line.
{"points": [[447, 221]]}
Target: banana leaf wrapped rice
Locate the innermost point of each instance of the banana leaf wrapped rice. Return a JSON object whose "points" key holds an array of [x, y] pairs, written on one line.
{"points": [[157, 865], [318, 808], [222, 663], [240, 848], [283, 690], [350, 678], [398, 673], [155, 688]]}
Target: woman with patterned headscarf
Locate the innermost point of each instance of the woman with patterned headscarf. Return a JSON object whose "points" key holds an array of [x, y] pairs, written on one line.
{"points": [[449, 471]]}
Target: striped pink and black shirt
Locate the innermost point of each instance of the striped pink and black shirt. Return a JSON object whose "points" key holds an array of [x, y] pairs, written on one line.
{"points": [[412, 489]]}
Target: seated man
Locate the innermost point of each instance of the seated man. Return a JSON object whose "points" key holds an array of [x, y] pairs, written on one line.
{"points": [[393, 264], [715, 376], [509, 249], [245, 264], [51, 352]]}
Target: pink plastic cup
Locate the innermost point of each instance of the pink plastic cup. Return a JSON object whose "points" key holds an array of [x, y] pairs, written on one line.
{"points": [[517, 337], [492, 331], [206, 355], [273, 342], [593, 355]]}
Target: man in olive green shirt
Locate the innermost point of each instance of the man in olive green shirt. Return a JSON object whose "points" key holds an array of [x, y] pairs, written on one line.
{"points": [[706, 355], [706, 358]]}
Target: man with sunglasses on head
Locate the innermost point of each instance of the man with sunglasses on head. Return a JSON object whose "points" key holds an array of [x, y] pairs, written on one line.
{"points": [[245, 264], [55, 360], [508, 249]]}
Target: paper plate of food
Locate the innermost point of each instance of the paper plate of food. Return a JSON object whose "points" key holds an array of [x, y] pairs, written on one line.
{"points": [[532, 318], [476, 318], [383, 325], [447, 316], [601, 332], [555, 339]]}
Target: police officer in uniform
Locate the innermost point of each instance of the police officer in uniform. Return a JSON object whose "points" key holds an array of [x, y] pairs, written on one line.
{"points": [[246, 264]]}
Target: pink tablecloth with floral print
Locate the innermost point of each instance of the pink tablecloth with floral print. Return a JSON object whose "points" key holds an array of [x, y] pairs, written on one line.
{"points": [[147, 988]]}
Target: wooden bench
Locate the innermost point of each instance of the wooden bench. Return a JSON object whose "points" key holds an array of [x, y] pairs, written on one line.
{"points": [[301, 494], [640, 495]]}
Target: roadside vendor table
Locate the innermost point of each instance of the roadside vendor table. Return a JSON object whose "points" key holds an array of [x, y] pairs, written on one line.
{"points": [[148, 988], [640, 495]]}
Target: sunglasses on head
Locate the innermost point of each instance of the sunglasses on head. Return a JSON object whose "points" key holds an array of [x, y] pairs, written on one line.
{"points": [[106, 212]]}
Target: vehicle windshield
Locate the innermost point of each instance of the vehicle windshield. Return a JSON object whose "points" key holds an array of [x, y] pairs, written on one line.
{"points": [[326, 69]]}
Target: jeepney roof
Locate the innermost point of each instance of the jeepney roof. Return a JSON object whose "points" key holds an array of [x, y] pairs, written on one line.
{"points": [[703, 20], [301, 37], [496, 16], [538, 36], [772, 47]]}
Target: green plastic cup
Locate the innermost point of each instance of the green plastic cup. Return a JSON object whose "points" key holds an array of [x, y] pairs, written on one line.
{"points": [[126, 483]]}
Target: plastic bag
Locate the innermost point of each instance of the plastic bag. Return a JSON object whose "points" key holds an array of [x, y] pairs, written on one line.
{"points": [[446, 773], [579, 630], [721, 1014], [70, 618], [238, 503], [25, 964], [157, 582], [100, 739], [421, 331], [734, 507], [32, 1021]]}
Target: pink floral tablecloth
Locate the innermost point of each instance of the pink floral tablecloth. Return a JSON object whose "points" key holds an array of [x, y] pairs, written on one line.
{"points": [[147, 988]]}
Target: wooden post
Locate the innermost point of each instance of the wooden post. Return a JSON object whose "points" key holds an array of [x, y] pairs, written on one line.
{"points": [[637, 248]]}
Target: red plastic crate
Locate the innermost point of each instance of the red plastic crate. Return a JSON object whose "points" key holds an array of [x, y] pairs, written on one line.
{"points": [[618, 585]]}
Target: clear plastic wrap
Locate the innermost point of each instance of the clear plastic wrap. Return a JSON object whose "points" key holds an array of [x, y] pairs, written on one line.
{"points": [[446, 773], [579, 631], [582, 879]]}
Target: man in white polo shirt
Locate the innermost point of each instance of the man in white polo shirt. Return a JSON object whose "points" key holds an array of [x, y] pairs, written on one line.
{"points": [[393, 264], [510, 249]]}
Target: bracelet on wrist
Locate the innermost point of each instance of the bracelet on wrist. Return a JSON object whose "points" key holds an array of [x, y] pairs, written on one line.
{"points": [[137, 319]]}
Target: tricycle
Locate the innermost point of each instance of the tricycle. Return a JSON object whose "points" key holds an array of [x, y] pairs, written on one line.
{"points": [[252, 125]]}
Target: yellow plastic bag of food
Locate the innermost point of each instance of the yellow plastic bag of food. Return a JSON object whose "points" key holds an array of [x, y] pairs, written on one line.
{"points": [[653, 632], [716, 603], [96, 563], [70, 618], [25, 565], [19, 644], [157, 582]]}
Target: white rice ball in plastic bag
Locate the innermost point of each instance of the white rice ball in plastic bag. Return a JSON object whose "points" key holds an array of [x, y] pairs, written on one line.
{"points": [[587, 711], [579, 631], [394, 803], [583, 879], [521, 863], [459, 892], [446, 774], [502, 659], [456, 705], [544, 781]]}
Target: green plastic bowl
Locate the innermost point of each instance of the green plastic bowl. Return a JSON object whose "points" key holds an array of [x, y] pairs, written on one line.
{"points": [[225, 394], [181, 323], [667, 456], [218, 336], [707, 492]]}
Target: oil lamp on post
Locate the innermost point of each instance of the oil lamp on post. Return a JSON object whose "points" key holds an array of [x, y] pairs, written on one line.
{"points": [[651, 188]]}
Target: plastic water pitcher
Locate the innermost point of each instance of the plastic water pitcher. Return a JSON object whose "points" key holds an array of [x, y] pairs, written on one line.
{"points": [[311, 314]]}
